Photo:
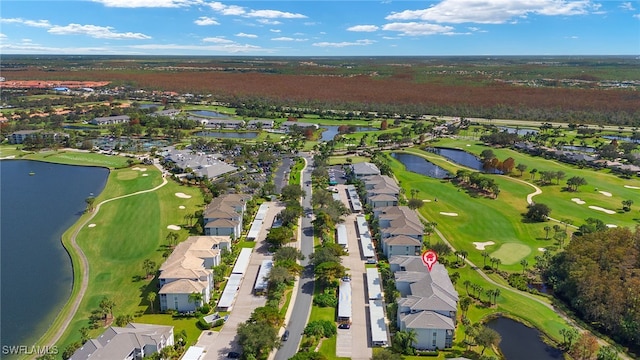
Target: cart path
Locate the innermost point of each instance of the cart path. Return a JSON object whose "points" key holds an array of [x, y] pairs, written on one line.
{"points": [[84, 263]]}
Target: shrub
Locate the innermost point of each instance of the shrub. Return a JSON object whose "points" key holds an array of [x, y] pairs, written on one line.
{"points": [[205, 309], [518, 281], [326, 299], [203, 324]]}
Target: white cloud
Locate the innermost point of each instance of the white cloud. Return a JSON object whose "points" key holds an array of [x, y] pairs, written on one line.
{"points": [[227, 48], [30, 48], [493, 11], [275, 30], [627, 6], [637, 16], [285, 38], [3, 36], [269, 22], [390, 37], [571, 37], [275, 14], [363, 28], [417, 28], [253, 36], [205, 21], [218, 40], [33, 23], [476, 29], [227, 9], [94, 31], [363, 42], [148, 3]]}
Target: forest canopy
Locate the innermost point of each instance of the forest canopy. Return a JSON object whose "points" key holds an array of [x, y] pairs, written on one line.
{"points": [[598, 275]]}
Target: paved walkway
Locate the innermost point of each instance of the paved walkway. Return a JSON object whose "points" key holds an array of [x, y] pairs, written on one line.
{"points": [[83, 266]]}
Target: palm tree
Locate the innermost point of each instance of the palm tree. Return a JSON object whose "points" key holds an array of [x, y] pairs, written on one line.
{"points": [[151, 298], [196, 298], [465, 302], [524, 264], [485, 255], [107, 305], [497, 262], [547, 229], [496, 293], [466, 284], [149, 266], [90, 201]]}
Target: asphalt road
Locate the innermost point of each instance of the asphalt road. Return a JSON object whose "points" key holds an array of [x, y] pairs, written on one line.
{"points": [[304, 296]]}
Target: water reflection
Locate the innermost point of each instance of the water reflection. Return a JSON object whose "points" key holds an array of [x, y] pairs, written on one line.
{"points": [[421, 166], [461, 157], [520, 342]]}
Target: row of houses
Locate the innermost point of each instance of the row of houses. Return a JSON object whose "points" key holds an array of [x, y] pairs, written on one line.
{"points": [[428, 301], [223, 216], [134, 341], [188, 270], [20, 136], [401, 231]]}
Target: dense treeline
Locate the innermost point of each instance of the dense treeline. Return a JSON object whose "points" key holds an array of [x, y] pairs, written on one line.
{"points": [[391, 95], [598, 275]]}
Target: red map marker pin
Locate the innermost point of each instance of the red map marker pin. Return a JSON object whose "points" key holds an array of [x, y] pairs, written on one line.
{"points": [[429, 258]]}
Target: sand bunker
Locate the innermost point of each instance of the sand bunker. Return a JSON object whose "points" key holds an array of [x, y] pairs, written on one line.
{"points": [[181, 207], [542, 249], [145, 174], [183, 195], [602, 209], [138, 168], [173, 227], [578, 201], [448, 214], [612, 226], [468, 144], [632, 187], [91, 225], [426, 200], [605, 193], [481, 245]]}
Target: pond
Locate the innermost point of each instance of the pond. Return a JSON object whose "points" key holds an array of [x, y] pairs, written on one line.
{"points": [[518, 131], [149, 106], [332, 130], [227, 135], [421, 166], [623, 138], [79, 127], [208, 113], [520, 342], [579, 148], [461, 157]]}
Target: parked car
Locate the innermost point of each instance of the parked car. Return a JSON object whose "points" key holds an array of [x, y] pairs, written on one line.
{"points": [[285, 336], [344, 326], [233, 355]]}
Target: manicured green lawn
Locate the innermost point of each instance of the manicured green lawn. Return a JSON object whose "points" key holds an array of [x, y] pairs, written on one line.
{"points": [[80, 158], [179, 323], [117, 245]]}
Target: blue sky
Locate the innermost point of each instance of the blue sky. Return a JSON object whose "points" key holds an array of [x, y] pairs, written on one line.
{"points": [[320, 28]]}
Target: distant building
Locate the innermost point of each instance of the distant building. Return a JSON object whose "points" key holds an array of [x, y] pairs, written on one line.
{"points": [[20, 136], [364, 169], [110, 120], [132, 342]]}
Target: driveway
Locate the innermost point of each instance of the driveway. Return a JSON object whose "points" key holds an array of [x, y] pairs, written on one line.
{"points": [[218, 344]]}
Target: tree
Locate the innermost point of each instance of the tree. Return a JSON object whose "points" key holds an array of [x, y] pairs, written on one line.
{"points": [[106, 306], [151, 298], [467, 284], [267, 314], [487, 337], [585, 348], [607, 353], [403, 341], [538, 212], [524, 264], [533, 173], [256, 339], [149, 267], [626, 205], [386, 354], [172, 238], [84, 334], [521, 168], [123, 320], [414, 203], [465, 302], [546, 230], [485, 255], [574, 182], [196, 299], [90, 201]]}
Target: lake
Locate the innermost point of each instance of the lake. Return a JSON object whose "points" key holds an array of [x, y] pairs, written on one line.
{"points": [[623, 138], [229, 134], [332, 130], [419, 165], [36, 269], [208, 113], [520, 342], [460, 157]]}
